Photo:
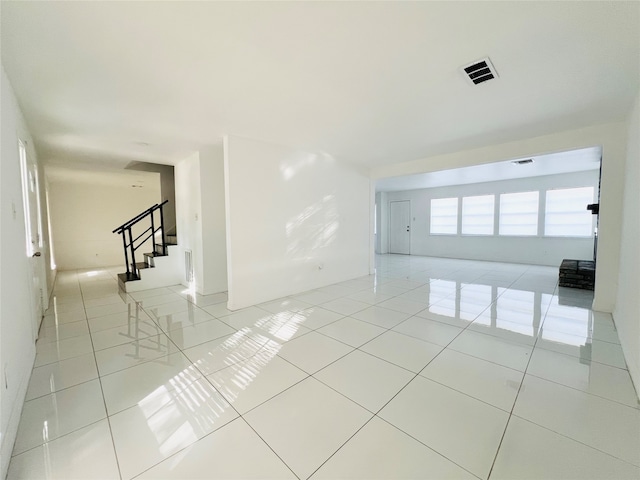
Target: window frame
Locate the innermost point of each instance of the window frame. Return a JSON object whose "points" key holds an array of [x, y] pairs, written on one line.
{"points": [[537, 213], [457, 217], [493, 216], [586, 212]]}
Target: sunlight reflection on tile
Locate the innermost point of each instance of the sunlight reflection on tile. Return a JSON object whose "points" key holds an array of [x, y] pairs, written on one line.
{"points": [[245, 385], [217, 354], [166, 421]]}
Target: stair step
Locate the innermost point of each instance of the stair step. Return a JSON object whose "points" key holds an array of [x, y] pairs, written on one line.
{"points": [[124, 278], [143, 265], [128, 277], [149, 258], [154, 254], [158, 246]]}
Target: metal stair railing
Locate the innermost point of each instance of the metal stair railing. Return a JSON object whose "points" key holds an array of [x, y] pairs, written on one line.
{"points": [[129, 243]]}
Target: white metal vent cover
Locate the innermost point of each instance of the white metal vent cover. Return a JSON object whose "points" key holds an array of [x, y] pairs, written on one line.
{"points": [[188, 266], [479, 71]]}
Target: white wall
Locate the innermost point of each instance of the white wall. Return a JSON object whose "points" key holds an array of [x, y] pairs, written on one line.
{"points": [[17, 347], [627, 311], [189, 212], [167, 190], [295, 221], [214, 226], [538, 250], [612, 138], [84, 214], [200, 216]]}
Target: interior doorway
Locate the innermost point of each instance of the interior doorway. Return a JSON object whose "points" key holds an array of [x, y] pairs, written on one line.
{"points": [[34, 234], [400, 227]]}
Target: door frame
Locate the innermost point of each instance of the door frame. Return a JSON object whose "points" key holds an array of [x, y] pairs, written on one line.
{"points": [[34, 245]]}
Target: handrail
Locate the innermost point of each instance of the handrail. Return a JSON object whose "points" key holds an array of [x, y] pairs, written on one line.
{"points": [[128, 222], [136, 239], [151, 210], [139, 217], [147, 238], [129, 244]]}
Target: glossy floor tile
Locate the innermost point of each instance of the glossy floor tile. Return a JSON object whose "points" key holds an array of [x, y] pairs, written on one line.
{"points": [[313, 351], [164, 423], [86, 453], [52, 416], [51, 352], [192, 335], [382, 317], [381, 451], [316, 317], [62, 331], [402, 350], [249, 383], [440, 417], [351, 331], [129, 387], [556, 457], [134, 353], [428, 330], [493, 349], [431, 368], [60, 375], [306, 424], [602, 424], [365, 379], [218, 456], [592, 377], [486, 381]]}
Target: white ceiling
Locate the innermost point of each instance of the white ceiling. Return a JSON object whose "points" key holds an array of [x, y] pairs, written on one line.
{"points": [[550, 164], [368, 82]]}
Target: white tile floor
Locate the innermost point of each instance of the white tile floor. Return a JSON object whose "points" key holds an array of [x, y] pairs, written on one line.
{"points": [[432, 368]]}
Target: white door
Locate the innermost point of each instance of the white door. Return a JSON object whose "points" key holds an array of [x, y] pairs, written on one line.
{"points": [[33, 227], [400, 226]]}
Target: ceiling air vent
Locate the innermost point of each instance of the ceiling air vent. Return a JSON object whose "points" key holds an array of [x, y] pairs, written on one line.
{"points": [[480, 71], [522, 162]]}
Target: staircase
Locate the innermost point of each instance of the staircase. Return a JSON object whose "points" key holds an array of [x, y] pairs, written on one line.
{"points": [[158, 268]]}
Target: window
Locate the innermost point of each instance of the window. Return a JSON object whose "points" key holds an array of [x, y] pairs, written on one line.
{"points": [[444, 216], [566, 213], [477, 215], [519, 213]]}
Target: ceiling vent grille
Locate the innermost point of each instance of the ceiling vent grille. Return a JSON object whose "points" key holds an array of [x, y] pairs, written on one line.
{"points": [[480, 71], [523, 162]]}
